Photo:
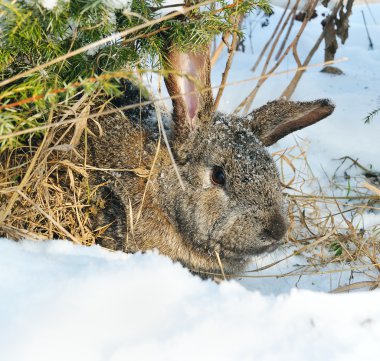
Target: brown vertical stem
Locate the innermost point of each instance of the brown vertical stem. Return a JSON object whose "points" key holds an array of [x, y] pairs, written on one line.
{"points": [[294, 82], [232, 50], [280, 50], [272, 37], [247, 102], [331, 44], [218, 50]]}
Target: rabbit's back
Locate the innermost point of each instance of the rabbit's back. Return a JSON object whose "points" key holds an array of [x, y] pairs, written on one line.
{"points": [[123, 151], [224, 204]]}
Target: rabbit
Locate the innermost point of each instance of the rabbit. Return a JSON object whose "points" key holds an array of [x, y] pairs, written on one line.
{"points": [[228, 204]]}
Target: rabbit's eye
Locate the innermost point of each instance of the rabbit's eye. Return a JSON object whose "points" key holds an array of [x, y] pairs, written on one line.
{"points": [[218, 177]]}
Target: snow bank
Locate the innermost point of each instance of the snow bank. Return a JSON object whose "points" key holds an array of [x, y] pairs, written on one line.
{"points": [[61, 301]]}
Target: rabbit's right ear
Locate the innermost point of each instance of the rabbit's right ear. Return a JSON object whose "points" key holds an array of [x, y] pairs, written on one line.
{"points": [[279, 118], [188, 84]]}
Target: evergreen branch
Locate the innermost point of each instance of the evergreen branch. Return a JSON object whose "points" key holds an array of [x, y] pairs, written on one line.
{"points": [[46, 55], [148, 102], [69, 87], [104, 41], [372, 114]]}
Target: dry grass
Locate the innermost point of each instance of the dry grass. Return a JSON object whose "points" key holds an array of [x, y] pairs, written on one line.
{"points": [[44, 194], [326, 220]]}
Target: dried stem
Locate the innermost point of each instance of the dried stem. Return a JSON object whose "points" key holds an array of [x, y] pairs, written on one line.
{"points": [[287, 93], [231, 51], [148, 102], [290, 27], [247, 102], [272, 37], [218, 51]]}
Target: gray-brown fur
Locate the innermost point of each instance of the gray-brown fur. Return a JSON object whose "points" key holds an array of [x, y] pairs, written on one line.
{"points": [[244, 217], [287, 117]]}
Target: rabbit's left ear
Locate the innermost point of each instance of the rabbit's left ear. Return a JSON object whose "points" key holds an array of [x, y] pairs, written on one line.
{"points": [[279, 118], [188, 83]]}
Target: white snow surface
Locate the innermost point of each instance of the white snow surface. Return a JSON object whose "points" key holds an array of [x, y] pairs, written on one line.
{"points": [[51, 4], [118, 4], [61, 301]]}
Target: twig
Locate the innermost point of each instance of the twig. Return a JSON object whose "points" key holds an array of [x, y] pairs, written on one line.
{"points": [[359, 165], [220, 265], [372, 188], [355, 286], [366, 28], [247, 102], [215, 56], [148, 102], [232, 51], [272, 37], [312, 197], [370, 11], [287, 93], [297, 274], [162, 129], [156, 8], [290, 27]]}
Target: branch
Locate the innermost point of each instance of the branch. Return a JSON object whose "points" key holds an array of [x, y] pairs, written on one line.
{"points": [[272, 37], [232, 51], [287, 93]]}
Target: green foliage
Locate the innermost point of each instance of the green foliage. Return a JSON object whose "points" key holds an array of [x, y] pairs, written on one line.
{"points": [[336, 248], [31, 35], [372, 114]]}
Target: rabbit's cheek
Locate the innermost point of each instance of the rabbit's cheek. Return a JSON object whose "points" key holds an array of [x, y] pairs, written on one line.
{"points": [[211, 204], [250, 232], [206, 181]]}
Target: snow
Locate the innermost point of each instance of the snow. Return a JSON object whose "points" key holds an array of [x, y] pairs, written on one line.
{"points": [[118, 4], [112, 4], [355, 94], [169, 7], [50, 4], [60, 301]]}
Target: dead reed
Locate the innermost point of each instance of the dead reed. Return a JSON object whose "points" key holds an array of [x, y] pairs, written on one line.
{"points": [[45, 193], [328, 222]]}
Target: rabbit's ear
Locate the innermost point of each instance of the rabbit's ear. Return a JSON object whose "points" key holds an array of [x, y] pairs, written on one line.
{"points": [[188, 83], [279, 118]]}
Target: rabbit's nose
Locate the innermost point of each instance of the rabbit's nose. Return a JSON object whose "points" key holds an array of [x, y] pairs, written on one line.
{"points": [[277, 226]]}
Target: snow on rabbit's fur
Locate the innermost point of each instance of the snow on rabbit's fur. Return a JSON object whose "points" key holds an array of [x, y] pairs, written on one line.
{"points": [[61, 301]]}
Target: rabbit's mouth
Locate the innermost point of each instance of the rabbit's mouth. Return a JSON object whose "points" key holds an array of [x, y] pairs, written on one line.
{"points": [[236, 254], [233, 243]]}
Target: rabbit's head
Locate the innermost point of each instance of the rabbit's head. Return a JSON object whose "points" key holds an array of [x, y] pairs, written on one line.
{"points": [[231, 202]]}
